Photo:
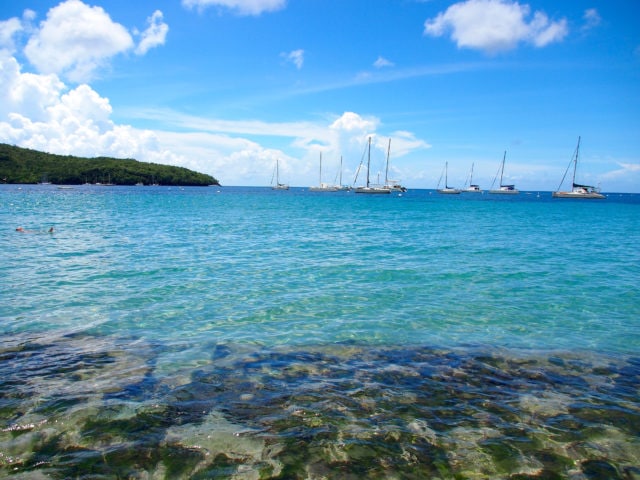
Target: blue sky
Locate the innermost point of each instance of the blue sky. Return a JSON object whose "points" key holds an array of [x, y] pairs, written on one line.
{"points": [[227, 87]]}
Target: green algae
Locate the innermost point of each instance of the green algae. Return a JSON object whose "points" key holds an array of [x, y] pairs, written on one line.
{"points": [[334, 412]]}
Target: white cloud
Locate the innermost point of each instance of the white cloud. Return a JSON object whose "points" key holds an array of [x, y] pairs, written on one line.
{"points": [[495, 25], [626, 171], [40, 112], [75, 40], [154, 35], [591, 19], [382, 62], [296, 57], [626, 178], [406, 142], [241, 7], [8, 30]]}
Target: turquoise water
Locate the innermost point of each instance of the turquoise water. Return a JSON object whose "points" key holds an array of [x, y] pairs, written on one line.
{"points": [[248, 333]]}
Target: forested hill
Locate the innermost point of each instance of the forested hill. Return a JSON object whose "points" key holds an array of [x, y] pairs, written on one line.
{"points": [[21, 165]]}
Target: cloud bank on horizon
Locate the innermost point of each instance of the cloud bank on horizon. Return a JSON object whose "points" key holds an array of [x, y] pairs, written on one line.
{"points": [[47, 102]]}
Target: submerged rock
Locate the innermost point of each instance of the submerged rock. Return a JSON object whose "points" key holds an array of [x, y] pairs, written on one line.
{"points": [[340, 411]]}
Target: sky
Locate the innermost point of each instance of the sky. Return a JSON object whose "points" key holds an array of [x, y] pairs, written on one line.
{"points": [[230, 87]]}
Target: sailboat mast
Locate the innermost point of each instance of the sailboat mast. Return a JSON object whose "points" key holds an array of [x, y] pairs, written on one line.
{"points": [[575, 163], [368, 162], [446, 174], [502, 170], [386, 173], [341, 170], [471, 176], [320, 174]]}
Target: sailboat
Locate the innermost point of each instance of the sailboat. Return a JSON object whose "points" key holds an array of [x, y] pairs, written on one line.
{"points": [[472, 188], [392, 185], [504, 189], [278, 185], [339, 185], [577, 190], [447, 189], [323, 187], [369, 188]]}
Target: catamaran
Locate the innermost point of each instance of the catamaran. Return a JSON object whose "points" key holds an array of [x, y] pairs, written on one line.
{"points": [[369, 188], [339, 184], [504, 189], [577, 190], [472, 188], [392, 185], [323, 187], [278, 185], [447, 189]]}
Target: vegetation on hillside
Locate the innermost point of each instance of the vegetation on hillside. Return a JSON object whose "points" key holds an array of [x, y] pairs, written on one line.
{"points": [[21, 165]]}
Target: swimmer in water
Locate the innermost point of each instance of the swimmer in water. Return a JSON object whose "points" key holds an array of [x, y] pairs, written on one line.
{"points": [[22, 230]]}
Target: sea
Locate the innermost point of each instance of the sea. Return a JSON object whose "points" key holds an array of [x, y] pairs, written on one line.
{"points": [[245, 333]]}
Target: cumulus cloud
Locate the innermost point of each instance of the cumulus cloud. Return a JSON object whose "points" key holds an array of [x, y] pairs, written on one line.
{"points": [[240, 7], [154, 35], [382, 62], [8, 30], [41, 112], [296, 57], [406, 142], [351, 123], [495, 25], [76, 40]]}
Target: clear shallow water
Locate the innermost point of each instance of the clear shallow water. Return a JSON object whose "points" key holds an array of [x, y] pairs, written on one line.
{"points": [[240, 332]]}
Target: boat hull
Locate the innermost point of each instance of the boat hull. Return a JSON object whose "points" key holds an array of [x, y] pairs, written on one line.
{"points": [[504, 192], [449, 191], [587, 196], [372, 190]]}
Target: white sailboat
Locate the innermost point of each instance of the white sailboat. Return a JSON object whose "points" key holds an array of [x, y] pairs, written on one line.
{"points": [[447, 189], [339, 185], [278, 185], [369, 188], [472, 188], [577, 190], [503, 189], [323, 187], [392, 185], [44, 180]]}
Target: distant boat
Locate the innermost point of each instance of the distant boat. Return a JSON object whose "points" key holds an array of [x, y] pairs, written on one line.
{"points": [[369, 188], [276, 175], [44, 180], [472, 188], [108, 184], [504, 189], [392, 185], [339, 185], [447, 189], [577, 190], [323, 187]]}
